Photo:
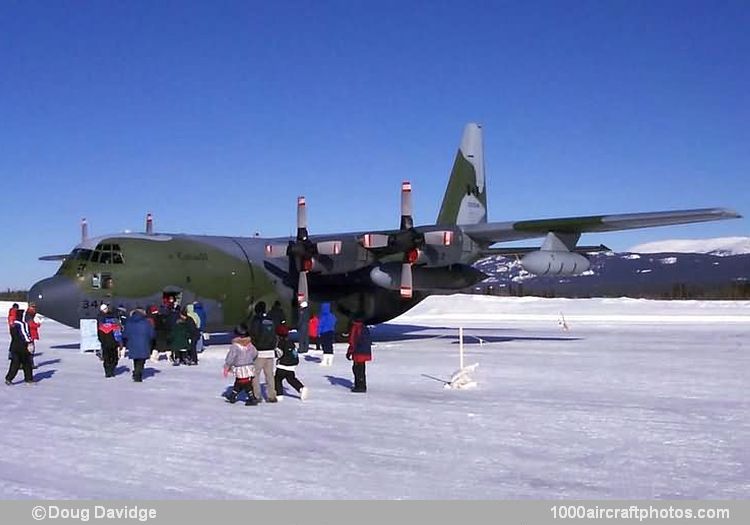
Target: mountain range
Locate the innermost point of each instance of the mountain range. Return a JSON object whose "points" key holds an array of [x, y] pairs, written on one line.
{"points": [[680, 269]]}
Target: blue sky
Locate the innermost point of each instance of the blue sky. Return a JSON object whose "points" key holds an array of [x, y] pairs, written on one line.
{"points": [[216, 115]]}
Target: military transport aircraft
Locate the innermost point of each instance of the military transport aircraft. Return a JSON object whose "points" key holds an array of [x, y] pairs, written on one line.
{"points": [[377, 275]]}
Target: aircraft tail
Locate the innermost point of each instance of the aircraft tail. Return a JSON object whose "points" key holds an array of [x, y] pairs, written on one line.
{"points": [[465, 200]]}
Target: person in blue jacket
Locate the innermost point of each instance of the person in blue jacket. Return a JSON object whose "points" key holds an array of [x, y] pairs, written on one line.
{"points": [[138, 332], [201, 311], [326, 333]]}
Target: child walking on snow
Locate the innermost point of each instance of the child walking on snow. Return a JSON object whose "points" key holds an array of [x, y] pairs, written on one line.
{"points": [[286, 365], [239, 361]]}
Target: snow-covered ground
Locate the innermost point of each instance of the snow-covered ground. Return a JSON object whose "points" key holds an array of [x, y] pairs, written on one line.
{"points": [[638, 399]]}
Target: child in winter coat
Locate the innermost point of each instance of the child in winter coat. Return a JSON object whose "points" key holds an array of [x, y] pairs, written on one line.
{"points": [[359, 351], [239, 361], [180, 339], [286, 365]]}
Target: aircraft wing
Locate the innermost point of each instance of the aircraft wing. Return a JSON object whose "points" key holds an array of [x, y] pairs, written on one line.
{"points": [[493, 232]]}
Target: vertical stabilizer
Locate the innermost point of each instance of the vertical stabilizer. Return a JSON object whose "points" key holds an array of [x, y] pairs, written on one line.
{"points": [[465, 200]]}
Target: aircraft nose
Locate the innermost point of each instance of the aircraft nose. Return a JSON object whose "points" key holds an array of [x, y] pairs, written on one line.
{"points": [[57, 298]]}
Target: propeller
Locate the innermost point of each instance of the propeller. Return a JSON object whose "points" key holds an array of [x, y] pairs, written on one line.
{"points": [[302, 251], [407, 240], [410, 256], [149, 224], [84, 230]]}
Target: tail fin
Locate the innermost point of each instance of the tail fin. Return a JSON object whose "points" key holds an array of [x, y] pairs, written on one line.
{"points": [[465, 200]]}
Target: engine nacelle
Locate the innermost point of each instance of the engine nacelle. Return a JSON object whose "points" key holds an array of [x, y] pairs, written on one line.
{"points": [[544, 262], [448, 278]]}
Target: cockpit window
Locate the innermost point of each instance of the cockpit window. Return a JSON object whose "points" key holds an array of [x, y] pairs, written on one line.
{"points": [[80, 254], [107, 254]]}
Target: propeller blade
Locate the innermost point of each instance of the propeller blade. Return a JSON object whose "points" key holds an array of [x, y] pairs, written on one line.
{"points": [[439, 238], [406, 220], [301, 218], [276, 250], [302, 288], [149, 224], [374, 240], [84, 229], [406, 281], [329, 247]]}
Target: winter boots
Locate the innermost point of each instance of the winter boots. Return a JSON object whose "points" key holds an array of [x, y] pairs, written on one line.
{"points": [[231, 397], [251, 401], [326, 360]]}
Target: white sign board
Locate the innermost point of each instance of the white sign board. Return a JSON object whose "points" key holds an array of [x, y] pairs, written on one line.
{"points": [[89, 338]]}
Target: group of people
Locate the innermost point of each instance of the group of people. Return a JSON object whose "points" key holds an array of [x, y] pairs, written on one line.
{"points": [[255, 348], [175, 331], [263, 348], [260, 348], [23, 326]]}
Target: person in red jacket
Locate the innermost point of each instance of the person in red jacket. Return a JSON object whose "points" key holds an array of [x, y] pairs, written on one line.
{"points": [[11, 319], [34, 322], [359, 352], [312, 331]]}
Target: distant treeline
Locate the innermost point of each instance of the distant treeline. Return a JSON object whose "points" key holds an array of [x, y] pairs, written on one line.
{"points": [[13, 295]]}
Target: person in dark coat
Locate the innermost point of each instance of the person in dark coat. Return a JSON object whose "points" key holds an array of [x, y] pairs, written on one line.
{"points": [[359, 352], [327, 333], [276, 313], [20, 341], [264, 339], [180, 339], [138, 332], [160, 323], [109, 333]]}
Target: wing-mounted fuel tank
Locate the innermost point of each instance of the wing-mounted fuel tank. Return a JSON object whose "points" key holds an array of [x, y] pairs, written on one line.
{"points": [[555, 257]]}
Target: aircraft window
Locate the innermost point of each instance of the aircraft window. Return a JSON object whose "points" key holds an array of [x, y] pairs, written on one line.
{"points": [[115, 247], [83, 255], [96, 280], [106, 247], [95, 257], [107, 281], [117, 258], [105, 257]]}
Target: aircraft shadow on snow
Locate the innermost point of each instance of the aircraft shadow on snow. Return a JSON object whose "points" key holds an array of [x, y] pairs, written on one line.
{"points": [[406, 332], [386, 333]]}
